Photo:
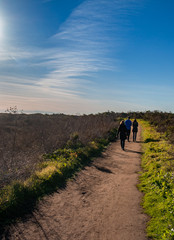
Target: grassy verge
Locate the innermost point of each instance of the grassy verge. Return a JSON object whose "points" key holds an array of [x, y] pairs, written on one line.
{"points": [[157, 183], [20, 197]]}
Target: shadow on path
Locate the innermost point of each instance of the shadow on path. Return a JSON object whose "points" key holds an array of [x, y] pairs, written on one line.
{"points": [[128, 150], [103, 169]]}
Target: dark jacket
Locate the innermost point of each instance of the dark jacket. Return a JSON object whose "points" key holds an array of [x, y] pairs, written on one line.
{"points": [[123, 131], [135, 126]]}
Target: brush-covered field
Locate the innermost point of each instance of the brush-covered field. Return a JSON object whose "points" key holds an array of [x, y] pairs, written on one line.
{"points": [[25, 138]]}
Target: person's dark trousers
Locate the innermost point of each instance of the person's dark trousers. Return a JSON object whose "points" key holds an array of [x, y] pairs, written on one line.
{"points": [[128, 134], [134, 136], [122, 141]]}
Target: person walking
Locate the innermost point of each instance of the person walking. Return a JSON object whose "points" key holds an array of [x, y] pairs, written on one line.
{"points": [[135, 130], [122, 130], [128, 124]]}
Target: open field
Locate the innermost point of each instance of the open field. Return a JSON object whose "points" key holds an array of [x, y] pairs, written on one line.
{"points": [[25, 138]]}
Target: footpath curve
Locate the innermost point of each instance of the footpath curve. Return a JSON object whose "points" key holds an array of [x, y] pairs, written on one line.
{"points": [[101, 203]]}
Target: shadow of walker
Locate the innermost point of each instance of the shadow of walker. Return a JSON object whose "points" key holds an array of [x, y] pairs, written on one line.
{"points": [[103, 169], [128, 150]]}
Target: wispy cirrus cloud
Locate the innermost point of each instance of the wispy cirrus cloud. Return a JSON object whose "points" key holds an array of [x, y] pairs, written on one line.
{"points": [[88, 39], [86, 44]]}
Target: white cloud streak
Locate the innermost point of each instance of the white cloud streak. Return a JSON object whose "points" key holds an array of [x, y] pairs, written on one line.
{"points": [[88, 37]]}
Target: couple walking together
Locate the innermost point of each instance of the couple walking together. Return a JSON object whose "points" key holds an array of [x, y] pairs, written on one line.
{"points": [[125, 129]]}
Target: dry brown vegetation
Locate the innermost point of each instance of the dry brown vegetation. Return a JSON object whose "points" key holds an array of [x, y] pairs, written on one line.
{"points": [[25, 138]]}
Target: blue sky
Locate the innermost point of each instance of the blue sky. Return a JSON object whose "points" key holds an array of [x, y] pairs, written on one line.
{"points": [[86, 56]]}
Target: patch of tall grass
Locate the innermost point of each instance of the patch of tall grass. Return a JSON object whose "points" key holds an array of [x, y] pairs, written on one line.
{"points": [[157, 183]]}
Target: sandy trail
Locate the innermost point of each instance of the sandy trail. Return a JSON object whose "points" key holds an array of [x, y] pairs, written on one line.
{"points": [[101, 203]]}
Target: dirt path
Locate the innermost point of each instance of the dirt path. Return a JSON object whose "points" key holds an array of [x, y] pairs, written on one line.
{"points": [[102, 203]]}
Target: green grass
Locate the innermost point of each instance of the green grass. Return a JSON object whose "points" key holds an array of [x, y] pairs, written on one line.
{"points": [[157, 183], [19, 198]]}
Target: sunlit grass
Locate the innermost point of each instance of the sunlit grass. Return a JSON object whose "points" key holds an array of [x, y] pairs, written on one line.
{"points": [[157, 182]]}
